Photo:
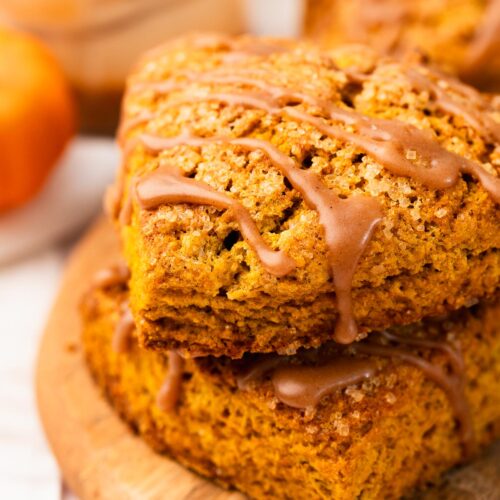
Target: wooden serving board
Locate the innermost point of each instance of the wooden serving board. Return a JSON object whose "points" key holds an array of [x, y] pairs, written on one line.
{"points": [[99, 456]]}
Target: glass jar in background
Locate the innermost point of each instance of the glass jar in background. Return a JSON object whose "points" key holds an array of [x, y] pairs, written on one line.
{"points": [[97, 41]]}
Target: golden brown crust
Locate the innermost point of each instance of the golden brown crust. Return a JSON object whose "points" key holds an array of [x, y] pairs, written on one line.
{"points": [[315, 320], [381, 439], [435, 250]]}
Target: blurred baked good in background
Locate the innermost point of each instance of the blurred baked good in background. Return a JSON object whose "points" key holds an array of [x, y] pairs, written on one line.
{"points": [[98, 42], [461, 36], [37, 117]]}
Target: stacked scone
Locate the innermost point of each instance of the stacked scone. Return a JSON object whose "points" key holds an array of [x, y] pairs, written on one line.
{"points": [[312, 307]]}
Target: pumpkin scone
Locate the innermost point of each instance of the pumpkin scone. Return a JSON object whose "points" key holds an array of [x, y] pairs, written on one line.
{"points": [[371, 420], [461, 36], [273, 196]]}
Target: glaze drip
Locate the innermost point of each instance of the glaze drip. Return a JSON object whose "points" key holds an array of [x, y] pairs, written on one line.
{"points": [[169, 393], [348, 223], [115, 275], [304, 387], [168, 185], [124, 329], [112, 199]]}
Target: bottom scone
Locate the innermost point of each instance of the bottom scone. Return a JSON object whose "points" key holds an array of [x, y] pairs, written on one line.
{"points": [[374, 420]]}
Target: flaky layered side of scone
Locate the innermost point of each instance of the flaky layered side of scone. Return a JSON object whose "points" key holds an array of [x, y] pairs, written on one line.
{"points": [[378, 439], [460, 36], [227, 116]]}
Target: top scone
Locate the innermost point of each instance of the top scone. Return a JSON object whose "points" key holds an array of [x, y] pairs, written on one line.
{"points": [[273, 196]]}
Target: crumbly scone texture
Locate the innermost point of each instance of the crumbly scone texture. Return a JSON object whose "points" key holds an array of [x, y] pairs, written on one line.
{"points": [[197, 285], [375, 440], [441, 29]]}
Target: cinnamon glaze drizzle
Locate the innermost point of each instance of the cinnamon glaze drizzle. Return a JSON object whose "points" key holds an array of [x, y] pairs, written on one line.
{"points": [[169, 393], [168, 185], [124, 329], [401, 148], [114, 275], [118, 275], [303, 386]]}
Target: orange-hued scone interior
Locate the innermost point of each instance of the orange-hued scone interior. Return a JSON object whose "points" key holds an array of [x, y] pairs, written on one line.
{"points": [[37, 116]]}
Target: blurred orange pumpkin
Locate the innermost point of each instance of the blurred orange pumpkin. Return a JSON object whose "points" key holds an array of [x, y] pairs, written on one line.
{"points": [[37, 116]]}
